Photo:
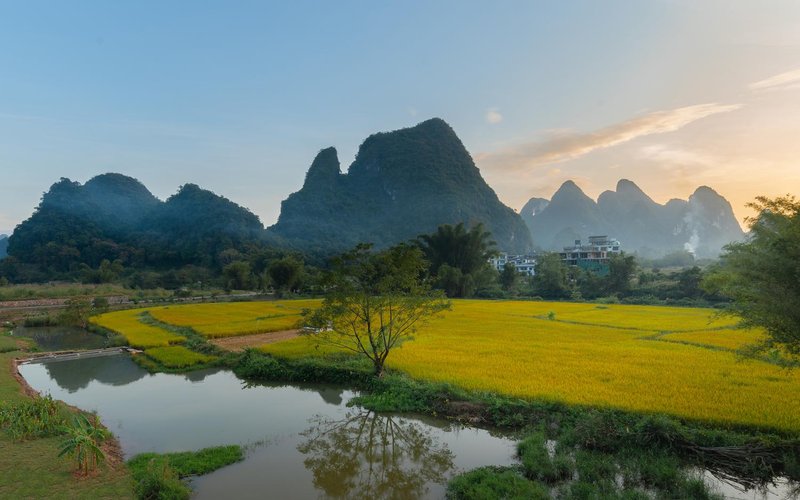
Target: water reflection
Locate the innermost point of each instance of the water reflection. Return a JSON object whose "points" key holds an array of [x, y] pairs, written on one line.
{"points": [[366, 455], [330, 394], [61, 338], [73, 376]]}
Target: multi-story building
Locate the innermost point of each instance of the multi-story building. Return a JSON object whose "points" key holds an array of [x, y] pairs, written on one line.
{"points": [[594, 255], [524, 264]]}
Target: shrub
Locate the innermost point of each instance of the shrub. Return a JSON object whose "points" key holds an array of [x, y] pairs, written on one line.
{"points": [[489, 483], [32, 418], [158, 481]]}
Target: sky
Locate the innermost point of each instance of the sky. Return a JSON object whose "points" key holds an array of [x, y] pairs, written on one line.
{"points": [[238, 97]]}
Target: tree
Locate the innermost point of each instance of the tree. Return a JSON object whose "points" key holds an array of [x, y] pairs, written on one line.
{"points": [[550, 280], [375, 301], [508, 277], [285, 273], [451, 249], [762, 274], [621, 269], [76, 312], [237, 275]]}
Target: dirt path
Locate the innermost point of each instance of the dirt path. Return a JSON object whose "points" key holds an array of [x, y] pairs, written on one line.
{"points": [[240, 343]]}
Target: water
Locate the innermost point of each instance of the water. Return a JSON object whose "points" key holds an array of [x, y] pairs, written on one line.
{"points": [[61, 338], [303, 441]]}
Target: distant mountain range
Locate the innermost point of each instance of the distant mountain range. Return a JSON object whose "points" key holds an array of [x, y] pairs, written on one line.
{"points": [[3, 245], [702, 225], [402, 184]]}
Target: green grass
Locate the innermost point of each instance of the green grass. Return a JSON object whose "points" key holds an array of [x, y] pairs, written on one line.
{"points": [[159, 475], [7, 343], [31, 469], [191, 463]]}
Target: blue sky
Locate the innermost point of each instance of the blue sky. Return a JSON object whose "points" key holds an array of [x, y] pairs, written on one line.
{"points": [[239, 96]]}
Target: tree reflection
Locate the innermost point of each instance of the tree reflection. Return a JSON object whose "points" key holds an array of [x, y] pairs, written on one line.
{"points": [[76, 374], [366, 455]]}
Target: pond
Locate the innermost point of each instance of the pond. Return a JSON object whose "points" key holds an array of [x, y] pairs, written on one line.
{"points": [[303, 441], [60, 338]]}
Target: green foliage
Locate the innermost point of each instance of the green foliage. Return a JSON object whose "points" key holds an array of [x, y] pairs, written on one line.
{"points": [[621, 269], [32, 418], [76, 312], [83, 439], [156, 480], [191, 463], [550, 281], [537, 463], [375, 302], [762, 274], [285, 273], [158, 476], [509, 277], [237, 275], [458, 258], [490, 483]]}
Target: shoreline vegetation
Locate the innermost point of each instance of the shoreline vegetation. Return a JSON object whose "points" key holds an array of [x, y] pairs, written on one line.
{"points": [[654, 451], [569, 449]]}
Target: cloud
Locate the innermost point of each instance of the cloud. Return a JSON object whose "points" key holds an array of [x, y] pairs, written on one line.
{"points": [[563, 146], [782, 81], [493, 116], [675, 155]]}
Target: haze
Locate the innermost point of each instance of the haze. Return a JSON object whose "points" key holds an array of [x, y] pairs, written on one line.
{"points": [[238, 98]]}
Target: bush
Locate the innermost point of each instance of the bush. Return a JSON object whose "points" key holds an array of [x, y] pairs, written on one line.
{"points": [[158, 481], [537, 463], [489, 483], [32, 418]]}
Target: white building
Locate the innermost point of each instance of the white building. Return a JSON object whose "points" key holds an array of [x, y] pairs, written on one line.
{"points": [[524, 264]]}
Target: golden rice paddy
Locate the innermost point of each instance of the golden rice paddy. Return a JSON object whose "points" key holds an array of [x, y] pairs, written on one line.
{"points": [[138, 334], [600, 355], [235, 318]]}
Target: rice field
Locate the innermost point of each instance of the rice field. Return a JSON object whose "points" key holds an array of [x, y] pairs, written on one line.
{"points": [[598, 355], [235, 318], [177, 356], [138, 334], [725, 338]]}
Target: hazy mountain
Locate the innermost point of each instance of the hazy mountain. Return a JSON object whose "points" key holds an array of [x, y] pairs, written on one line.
{"points": [[702, 225], [3, 245], [113, 216], [568, 216], [401, 184]]}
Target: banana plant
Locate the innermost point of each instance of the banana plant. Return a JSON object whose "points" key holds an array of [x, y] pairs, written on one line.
{"points": [[83, 441]]}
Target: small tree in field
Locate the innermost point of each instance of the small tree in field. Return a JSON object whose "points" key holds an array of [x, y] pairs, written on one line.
{"points": [[375, 301]]}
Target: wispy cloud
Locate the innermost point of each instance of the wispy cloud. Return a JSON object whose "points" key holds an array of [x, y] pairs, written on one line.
{"points": [[563, 146], [786, 80], [493, 116]]}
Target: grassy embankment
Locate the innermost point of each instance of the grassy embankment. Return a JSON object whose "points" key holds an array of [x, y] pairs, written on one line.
{"points": [[31, 469]]}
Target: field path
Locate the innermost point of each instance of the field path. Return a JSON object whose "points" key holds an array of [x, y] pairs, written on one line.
{"points": [[240, 343]]}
